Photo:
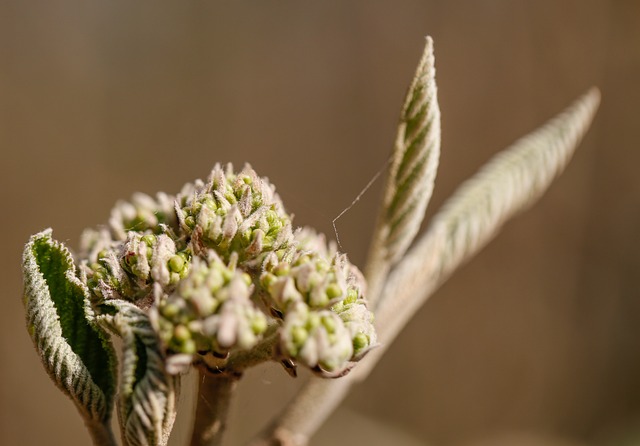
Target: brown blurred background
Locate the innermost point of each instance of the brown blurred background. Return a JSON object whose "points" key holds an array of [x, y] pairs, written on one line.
{"points": [[535, 342]]}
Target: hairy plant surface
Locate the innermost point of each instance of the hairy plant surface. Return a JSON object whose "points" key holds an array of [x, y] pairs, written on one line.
{"points": [[217, 277]]}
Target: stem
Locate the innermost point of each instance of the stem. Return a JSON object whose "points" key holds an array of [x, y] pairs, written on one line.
{"points": [[101, 433], [214, 397]]}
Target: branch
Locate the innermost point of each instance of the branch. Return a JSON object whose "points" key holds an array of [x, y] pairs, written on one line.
{"points": [[506, 185]]}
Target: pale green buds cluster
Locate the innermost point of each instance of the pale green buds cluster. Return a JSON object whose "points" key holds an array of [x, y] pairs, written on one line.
{"points": [[316, 338], [150, 258], [128, 270], [235, 213], [210, 310], [326, 324], [218, 264], [309, 278], [359, 322]]}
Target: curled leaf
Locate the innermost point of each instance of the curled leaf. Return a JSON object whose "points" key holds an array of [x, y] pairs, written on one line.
{"points": [[147, 393], [75, 351]]}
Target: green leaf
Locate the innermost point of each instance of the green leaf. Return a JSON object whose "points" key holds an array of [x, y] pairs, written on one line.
{"points": [[75, 351], [147, 393]]}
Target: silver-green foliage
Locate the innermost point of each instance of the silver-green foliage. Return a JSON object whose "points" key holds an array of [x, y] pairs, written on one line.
{"points": [[147, 394], [75, 351]]}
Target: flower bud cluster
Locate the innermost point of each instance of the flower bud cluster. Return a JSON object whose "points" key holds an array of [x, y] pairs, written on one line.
{"points": [[150, 258], [210, 310], [128, 269], [326, 324], [235, 213], [218, 264]]}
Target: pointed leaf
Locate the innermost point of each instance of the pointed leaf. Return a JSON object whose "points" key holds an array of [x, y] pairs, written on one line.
{"points": [[509, 183], [413, 170], [147, 393], [75, 351]]}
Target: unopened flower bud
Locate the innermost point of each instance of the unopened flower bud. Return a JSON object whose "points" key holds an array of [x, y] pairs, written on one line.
{"points": [[359, 321], [143, 213], [317, 339]]}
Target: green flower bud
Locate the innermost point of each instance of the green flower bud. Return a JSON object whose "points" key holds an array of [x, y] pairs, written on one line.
{"points": [[176, 263], [316, 339], [359, 321], [360, 342]]}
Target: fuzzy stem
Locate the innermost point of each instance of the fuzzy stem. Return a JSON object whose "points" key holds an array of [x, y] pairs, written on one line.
{"points": [[214, 397], [101, 433]]}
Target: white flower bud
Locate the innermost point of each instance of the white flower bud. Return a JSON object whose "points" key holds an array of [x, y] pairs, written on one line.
{"points": [[163, 251], [317, 339]]}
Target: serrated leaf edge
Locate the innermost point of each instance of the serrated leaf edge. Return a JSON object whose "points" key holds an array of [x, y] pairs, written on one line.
{"points": [[147, 407], [44, 327]]}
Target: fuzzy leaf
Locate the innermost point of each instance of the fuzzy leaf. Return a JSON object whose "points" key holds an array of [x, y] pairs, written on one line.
{"points": [[75, 351], [147, 393], [411, 176], [511, 181], [415, 161]]}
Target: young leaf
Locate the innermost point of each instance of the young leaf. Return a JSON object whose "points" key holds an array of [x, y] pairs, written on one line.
{"points": [[147, 393], [509, 183], [412, 173], [75, 351]]}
